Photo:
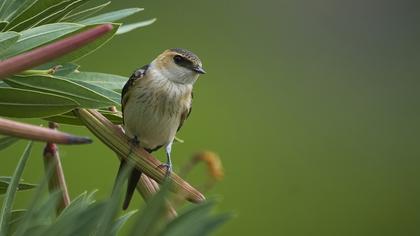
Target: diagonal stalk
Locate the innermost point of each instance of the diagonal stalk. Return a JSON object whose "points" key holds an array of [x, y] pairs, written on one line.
{"points": [[147, 187], [113, 137]]}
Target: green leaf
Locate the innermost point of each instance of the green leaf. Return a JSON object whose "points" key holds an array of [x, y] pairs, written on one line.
{"points": [[120, 222], [38, 36], [40, 10], [24, 103], [7, 39], [113, 204], [80, 15], [114, 96], [195, 221], [111, 16], [57, 16], [70, 119], [3, 24], [80, 202], [5, 181], [16, 217], [108, 81], [125, 28], [7, 141], [85, 97], [81, 222], [39, 216], [12, 8], [150, 219], [91, 47], [5, 214]]}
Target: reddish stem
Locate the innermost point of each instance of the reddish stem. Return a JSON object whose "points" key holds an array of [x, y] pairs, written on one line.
{"points": [[51, 51], [32, 132], [57, 181]]}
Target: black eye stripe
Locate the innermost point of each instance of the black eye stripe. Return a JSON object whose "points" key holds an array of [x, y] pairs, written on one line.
{"points": [[182, 61]]}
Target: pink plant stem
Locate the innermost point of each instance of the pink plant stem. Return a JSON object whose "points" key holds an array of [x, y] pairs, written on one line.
{"points": [[57, 181], [32, 132], [51, 51]]}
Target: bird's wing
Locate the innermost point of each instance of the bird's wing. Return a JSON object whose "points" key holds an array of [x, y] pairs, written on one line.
{"points": [[185, 114], [134, 78]]}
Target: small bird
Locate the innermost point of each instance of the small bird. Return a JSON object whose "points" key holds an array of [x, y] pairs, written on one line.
{"points": [[155, 102]]}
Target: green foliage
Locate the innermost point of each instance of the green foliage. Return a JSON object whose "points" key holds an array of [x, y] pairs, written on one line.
{"points": [[85, 216], [84, 97], [6, 208], [51, 92], [25, 103], [5, 182], [7, 141]]}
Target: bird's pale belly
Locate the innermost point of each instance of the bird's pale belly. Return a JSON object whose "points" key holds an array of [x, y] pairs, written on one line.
{"points": [[152, 128]]}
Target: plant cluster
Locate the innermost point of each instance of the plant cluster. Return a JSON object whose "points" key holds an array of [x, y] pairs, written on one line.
{"points": [[40, 40]]}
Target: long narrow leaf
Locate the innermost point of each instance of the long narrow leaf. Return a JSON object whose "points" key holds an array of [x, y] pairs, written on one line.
{"points": [[12, 8], [196, 221], [40, 10], [120, 222], [11, 191], [15, 102], [5, 182], [3, 24], [111, 95], [149, 221], [108, 81], [80, 202], [16, 217], [80, 15], [125, 28], [5, 142], [111, 16], [43, 214], [7, 39], [35, 37], [62, 87], [106, 221], [57, 16]]}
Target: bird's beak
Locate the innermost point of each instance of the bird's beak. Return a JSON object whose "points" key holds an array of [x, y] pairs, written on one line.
{"points": [[199, 70]]}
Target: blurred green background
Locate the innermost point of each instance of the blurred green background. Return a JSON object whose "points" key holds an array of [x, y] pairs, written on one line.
{"points": [[313, 107]]}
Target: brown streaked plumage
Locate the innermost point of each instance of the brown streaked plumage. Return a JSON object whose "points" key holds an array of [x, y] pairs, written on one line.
{"points": [[156, 101]]}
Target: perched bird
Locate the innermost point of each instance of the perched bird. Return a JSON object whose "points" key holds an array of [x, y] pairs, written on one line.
{"points": [[156, 100]]}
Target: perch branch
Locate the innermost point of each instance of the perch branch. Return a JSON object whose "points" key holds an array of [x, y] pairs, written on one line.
{"points": [[147, 187], [112, 136]]}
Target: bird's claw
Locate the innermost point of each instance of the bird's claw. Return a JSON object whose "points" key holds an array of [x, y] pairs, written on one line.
{"points": [[168, 168], [135, 141]]}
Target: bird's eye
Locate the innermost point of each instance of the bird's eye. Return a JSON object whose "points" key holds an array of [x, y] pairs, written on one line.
{"points": [[178, 59]]}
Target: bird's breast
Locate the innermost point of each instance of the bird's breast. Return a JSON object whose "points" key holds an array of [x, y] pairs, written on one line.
{"points": [[153, 111]]}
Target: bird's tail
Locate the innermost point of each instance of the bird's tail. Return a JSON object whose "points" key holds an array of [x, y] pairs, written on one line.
{"points": [[131, 186], [132, 182]]}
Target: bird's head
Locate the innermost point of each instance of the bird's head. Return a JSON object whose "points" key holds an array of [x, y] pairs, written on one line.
{"points": [[179, 65]]}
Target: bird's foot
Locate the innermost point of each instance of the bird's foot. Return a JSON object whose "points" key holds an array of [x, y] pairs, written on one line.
{"points": [[168, 168], [135, 141]]}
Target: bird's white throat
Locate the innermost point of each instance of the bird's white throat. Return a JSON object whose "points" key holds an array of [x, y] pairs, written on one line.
{"points": [[173, 72]]}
